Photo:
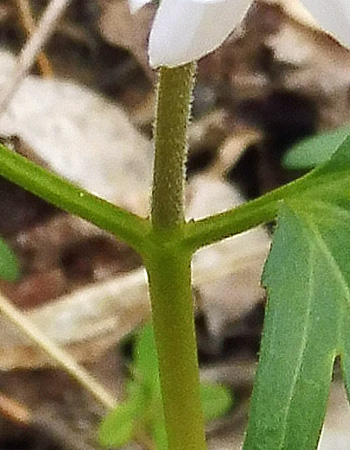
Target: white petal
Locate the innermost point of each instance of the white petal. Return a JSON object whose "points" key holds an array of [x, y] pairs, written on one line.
{"points": [[186, 30], [135, 5], [333, 16]]}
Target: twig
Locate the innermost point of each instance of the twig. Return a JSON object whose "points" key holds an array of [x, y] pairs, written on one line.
{"points": [[61, 357], [31, 49], [29, 25]]}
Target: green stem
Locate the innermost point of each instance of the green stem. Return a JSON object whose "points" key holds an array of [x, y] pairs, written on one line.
{"points": [[197, 234], [173, 110], [213, 229], [172, 310], [168, 267], [63, 194]]}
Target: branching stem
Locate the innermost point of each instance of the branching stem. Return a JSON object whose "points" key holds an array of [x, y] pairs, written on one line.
{"points": [[169, 266]]}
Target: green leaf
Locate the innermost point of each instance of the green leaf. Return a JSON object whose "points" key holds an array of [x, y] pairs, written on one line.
{"points": [[144, 410], [159, 435], [117, 427], [307, 323], [315, 150], [144, 387], [328, 183], [9, 269], [145, 354], [216, 400], [145, 364]]}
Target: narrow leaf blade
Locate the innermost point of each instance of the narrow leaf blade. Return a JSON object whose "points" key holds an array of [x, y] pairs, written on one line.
{"points": [[299, 342]]}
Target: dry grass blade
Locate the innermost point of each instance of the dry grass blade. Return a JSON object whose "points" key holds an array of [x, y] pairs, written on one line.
{"points": [[33, 46], [64, 360], [29, 26]]}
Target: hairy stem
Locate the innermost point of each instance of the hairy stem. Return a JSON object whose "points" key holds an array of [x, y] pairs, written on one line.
{"points": [[198, 233], [168, 267], [173, 109]]}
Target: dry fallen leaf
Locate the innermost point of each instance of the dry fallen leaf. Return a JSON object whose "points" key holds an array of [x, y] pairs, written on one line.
{"points": [[80, 136]]}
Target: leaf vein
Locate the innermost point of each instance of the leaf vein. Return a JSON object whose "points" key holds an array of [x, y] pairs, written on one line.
{"points": [[300, 358], [329, 257]]}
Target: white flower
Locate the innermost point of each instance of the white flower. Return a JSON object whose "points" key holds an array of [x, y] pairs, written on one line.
{"points": [[185, 30]]}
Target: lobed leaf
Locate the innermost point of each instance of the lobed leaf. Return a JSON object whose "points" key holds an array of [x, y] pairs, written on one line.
{"points": [[307, 322], [299, 342]]}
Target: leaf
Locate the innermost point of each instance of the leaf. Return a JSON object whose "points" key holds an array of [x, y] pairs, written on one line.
{"points": [[144, 410], [117, 427], [307, 324], [159, 435], [146, 374], [145, 364], [329, 182], [9, 269], [216, 400], [144, 388], [315, 150]]}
